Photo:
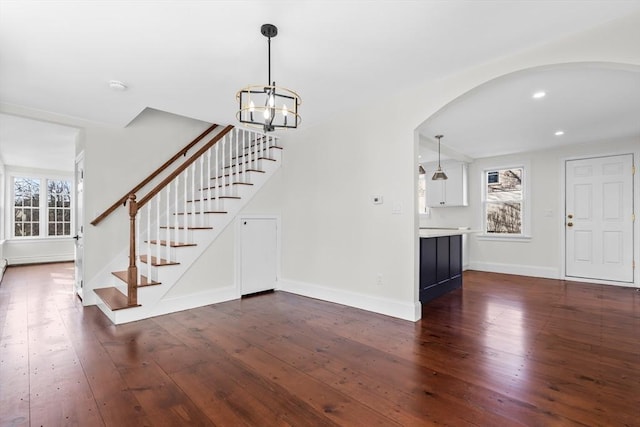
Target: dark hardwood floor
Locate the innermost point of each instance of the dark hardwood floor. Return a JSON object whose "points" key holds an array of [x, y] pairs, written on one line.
{"points": [[503, 351]]}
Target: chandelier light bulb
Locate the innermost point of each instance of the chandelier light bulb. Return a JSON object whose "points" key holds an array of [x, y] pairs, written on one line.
{"points": [[272, 102], [267, 113], [252, 107], [284, 110]]}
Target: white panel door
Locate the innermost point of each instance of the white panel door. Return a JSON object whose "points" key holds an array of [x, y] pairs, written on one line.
{"points": [[79, 220], [598, 218], [258, 255]]}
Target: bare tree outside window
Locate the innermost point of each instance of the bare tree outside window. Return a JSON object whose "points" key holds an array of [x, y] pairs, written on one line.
{"points": [[28, 204], [26, 207], [59, 207], [503, 201]]}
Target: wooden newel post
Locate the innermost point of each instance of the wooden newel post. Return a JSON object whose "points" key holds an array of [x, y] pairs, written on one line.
{"points": [[132, 271]]}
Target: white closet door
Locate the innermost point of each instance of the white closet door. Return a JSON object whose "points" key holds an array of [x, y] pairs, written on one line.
{"points": [[258, 255]]}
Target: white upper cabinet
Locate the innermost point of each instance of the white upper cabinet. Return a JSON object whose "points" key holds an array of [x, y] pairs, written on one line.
{"points": [[449, 192]]}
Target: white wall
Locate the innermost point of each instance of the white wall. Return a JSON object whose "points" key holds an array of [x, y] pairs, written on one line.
{"points": [[32, 250], [38, 250], [543, 255], [336, 243]]}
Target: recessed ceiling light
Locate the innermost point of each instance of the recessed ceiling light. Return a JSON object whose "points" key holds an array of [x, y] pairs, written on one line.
{"points": [[559, 132], [117, 85], [539, 94]]}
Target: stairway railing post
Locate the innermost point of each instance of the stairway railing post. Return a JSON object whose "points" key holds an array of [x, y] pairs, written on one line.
{"points": [[132, 271]]}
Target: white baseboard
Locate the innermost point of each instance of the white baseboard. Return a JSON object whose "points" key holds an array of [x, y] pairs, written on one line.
{"points": [[394, 308], [40, 259], [520, 270]]}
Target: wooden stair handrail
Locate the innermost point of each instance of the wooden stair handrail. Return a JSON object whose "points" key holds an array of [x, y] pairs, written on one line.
{"points": [[143, 201], [122, 200]]}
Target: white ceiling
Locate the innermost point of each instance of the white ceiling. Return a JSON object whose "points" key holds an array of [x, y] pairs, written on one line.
{"points": [[588, 102], [190, 57], [34, 144]]}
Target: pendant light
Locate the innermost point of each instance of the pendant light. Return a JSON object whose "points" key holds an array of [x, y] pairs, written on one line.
{"points": [[268, 106], [439, 174]]}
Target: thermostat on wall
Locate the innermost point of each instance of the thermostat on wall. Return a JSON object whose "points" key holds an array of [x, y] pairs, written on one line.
{"points": [[376, 200]]}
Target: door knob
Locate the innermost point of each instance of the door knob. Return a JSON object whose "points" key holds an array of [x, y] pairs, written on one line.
{"points": [[569, 224]]}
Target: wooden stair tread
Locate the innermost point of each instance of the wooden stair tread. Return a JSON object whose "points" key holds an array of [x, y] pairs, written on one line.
{"points": [[230, 175], [114, 299], [207, 212], [233, 165], [247, 170], [155, 263], [188, 228], [144, 281], [252, 154], [171, 243], [225, 185], [214, 198]]}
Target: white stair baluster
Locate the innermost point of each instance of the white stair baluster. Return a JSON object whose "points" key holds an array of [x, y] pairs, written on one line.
{"points": [[185, 209], [252, 154], [193, 194], [157, 230], [176, 224], [229, 164], [209, 179], [202, 192], [258, 147], [138, 234], [217, 174], [243, 168], [168, 233], [237, 175], [148, 209], [224, 180]]}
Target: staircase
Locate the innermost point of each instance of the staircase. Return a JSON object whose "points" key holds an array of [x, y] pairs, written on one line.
{"points": [[180, 217]]}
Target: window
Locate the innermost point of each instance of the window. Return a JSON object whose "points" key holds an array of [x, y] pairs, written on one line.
{"points": [[59, 207], [26, 207], [37, 216], [504, 201]]}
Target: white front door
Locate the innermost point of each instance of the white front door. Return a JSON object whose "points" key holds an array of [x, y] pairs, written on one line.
{"points": [[258, 255], [79, 220], [599, 218]]}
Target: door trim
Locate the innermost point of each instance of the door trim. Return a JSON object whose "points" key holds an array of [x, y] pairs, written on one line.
{"points": [[238, 249], [635, 191]]}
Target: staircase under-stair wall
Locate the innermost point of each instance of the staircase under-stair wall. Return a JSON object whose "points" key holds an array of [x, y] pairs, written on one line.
{"points": [[172, 224]]}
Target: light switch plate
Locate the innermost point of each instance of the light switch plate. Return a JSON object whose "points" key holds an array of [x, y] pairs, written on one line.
{"points": [[376, 199]]}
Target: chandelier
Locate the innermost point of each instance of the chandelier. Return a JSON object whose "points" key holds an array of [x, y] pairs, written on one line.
{"points": [[268, 107]]}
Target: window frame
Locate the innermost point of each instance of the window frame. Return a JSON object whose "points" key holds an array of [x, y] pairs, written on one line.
{"points": [[525, 234], [43, 207]]}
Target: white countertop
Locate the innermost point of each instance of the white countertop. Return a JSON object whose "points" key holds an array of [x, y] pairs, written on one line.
{"points": [[439, 232]]}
